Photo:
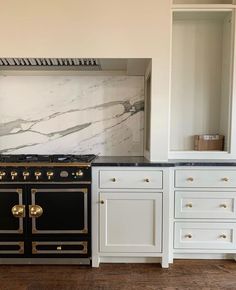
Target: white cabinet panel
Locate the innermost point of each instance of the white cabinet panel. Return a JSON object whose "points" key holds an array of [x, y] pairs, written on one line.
{"points": [[204, 235], [130, 222], [148, 179], [205, 178], [205, 204]]}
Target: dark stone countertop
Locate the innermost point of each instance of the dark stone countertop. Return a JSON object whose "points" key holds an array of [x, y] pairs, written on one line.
{"points": [[141, 161]]}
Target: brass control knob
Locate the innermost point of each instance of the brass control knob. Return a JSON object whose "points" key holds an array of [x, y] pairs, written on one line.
{"points": [[13, 175], [38, 174], [79, 173], [2, 174], [50, 174], [25, 174]]}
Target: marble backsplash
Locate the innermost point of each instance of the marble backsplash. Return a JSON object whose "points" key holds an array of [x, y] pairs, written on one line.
{"points": [[72, 115]]}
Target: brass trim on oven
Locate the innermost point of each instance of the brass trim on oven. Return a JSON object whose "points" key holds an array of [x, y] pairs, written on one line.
{"points": [[20, 251], [59, 248], [44, 190], [20, 230], [40, 164]]}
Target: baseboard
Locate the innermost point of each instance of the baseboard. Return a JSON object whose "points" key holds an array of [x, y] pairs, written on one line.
{"points": [[150, 260], [203, 256]]}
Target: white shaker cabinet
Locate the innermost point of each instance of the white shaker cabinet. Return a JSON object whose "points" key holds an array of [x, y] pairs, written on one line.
{"points": [[129, 211], [130, 222], [204, 217]]}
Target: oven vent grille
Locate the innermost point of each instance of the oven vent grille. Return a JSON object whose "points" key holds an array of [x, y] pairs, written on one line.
{"points": [[80, 63]]}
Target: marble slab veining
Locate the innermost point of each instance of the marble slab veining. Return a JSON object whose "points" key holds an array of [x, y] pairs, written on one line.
{"points": [[72, 115]]}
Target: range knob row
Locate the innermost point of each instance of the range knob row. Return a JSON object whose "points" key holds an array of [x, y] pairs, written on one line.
{"points": [[37, 174], [26, 174]]}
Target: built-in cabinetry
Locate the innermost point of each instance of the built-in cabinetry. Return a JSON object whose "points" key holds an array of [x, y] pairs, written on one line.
{"points": [[127, 206], [204, 211], [201, 90]]}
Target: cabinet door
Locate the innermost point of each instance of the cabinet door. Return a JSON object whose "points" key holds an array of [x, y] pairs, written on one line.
{"points": [[130, 222]]}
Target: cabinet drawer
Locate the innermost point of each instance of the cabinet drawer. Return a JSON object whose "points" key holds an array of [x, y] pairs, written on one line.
{"points": [[131, 179], [205, 204], [60, 247], [205, 178], [204, 235]]}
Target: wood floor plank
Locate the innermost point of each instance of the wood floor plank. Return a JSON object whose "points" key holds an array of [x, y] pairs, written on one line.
{"points": [[183, 274]]}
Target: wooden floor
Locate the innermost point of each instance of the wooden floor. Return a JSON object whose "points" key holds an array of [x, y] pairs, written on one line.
{"points": [[182, 275]]}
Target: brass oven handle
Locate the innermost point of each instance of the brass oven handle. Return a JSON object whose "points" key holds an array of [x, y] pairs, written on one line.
{"points": [[18, 211], [35, 211]]}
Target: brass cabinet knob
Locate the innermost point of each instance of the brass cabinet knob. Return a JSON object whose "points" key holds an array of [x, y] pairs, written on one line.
{"points": [[35, 211], [191, 179], [18, 211], [189, 236], [13, 175], [79, 173], [102, 202], [2, 174], [189, 205], [59, 248], [147, 180], [38, 174], [223, 205], [226, 179], [25, 174], [50, 174], [223, 236], [113, 179]]}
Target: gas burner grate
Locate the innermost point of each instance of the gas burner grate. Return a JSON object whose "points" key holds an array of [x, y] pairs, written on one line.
{"points": [[58, 158]]}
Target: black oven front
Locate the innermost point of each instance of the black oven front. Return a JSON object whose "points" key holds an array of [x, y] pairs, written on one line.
{"points": [[46, 219]]}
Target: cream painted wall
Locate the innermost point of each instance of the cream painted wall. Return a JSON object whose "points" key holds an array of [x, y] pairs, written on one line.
{"points": [[97, 28], [84, 28]]}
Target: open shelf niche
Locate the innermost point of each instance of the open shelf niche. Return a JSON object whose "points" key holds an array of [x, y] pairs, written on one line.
{"points": [[201, 77]]}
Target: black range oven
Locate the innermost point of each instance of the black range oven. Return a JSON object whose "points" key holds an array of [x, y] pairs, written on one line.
{"points": [[45, 207]]}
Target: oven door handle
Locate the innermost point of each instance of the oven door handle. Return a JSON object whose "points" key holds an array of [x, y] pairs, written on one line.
{"points": [[18, 211], [35, 211]]}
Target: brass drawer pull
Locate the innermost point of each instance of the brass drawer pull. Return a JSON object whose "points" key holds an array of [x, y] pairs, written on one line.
{"points": [[35, 211], [147, 180], [223, 205], [189, 236], [226, 179], [190, 179], [59, 248], [113, 179], [18, 211], [102, 202], [223, 236], [189, 205]]}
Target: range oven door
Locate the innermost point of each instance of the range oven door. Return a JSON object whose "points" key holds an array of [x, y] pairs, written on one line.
{"points": [[60, 209], [12, 210]]}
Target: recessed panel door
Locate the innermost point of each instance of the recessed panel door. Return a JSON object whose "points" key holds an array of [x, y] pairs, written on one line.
{"points": [[59, 210], [12, 211]]}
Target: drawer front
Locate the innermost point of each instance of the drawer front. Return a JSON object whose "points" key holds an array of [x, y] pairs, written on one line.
{"points": [[12, 248], [205, 178], [204, 236], [205, 204], [131, 179], [60, 247]]}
